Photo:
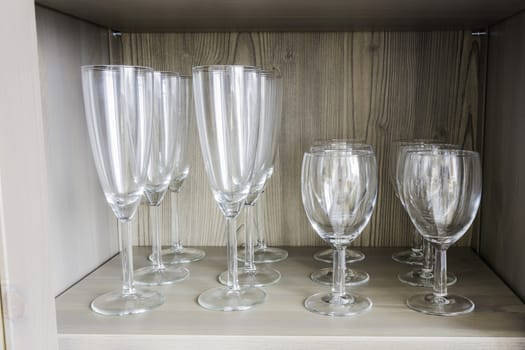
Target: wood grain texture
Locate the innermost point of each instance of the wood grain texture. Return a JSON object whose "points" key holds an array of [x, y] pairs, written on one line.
{"points": [[502, 215], [376, 86], [83, 227], [282, 322]]}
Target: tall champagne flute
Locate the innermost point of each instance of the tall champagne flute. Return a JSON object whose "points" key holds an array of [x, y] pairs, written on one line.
{"points": [[339, 191], [177, 253], [118, 102], [227, 110], [166, 101], [442, 192], [420, 276], [325, 275], [273, 108], [269, 125]]}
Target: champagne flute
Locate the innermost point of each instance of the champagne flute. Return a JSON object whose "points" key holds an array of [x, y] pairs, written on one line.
{"points": [[339, 191], [269, 125], [227, 110], [166, 102], [442, 192], [177, 253], [118, 102]]}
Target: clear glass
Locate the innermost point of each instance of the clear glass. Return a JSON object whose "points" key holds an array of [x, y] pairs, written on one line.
{"points": [[118, 103], [271, 114], [177, 253], [339, 191], [442, 191], [419, 276], [269, 126], [414, 256], [227, 110], [166, 101], [325, 275]]}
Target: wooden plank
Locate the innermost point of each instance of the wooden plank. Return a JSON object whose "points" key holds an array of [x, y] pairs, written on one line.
{"points": [[282, 322], [502, 219], [377, 86], [28, 308], [83, 227], [291, 15]]}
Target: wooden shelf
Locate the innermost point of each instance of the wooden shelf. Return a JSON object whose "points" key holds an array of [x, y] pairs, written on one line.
{"points": [[291, 15], [283, 323]]}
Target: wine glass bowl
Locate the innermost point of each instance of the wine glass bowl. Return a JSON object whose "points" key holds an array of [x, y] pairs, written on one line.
{"points": [[339, 191], [442, 192]]}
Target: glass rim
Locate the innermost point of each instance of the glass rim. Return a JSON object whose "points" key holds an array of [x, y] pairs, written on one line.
{"points": [[109, 67], [419, 141], [185, 76], [223, 67], [438, 151], [340, 152], [168, 73], [427, 146]]}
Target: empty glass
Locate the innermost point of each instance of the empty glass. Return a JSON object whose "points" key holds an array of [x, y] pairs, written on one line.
{"points": [[420, 276], [166, 101], [269, 126], [118, 102], [442, 191], [227, 110], [177, 253], [325, 275], [339, 190]]}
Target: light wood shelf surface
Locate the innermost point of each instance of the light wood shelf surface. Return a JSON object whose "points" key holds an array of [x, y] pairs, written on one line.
{"points": [[282, 322]]}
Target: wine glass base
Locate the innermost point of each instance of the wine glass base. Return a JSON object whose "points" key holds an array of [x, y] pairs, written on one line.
{"points": [[450, 305], [416, 278], [226, 299], [172, 256], [262, 276], [408, 257], [116, 303], [326, 304], [352, 277], [327, 256], [160, 276], [265, 255]]}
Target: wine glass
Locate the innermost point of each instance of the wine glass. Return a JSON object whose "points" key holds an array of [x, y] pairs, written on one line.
{"points": [[327, 255], [415, 255], [166, 101], [422, 276], [118, 102], [325, 275], [227, 110], [442, 192], [177, 253], [269, 125], [339, 191]]}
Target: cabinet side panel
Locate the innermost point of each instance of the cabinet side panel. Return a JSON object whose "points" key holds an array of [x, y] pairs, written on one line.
{"points": [[83, 229], [503, 219], [373, 86]]}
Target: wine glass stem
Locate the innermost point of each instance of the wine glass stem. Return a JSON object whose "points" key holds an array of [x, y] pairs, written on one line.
{"points": [[259, 226], [175, 233], [126, 255], [250, 214], [233, 278], [428, 259], [440, 272], [154, 220], [417, 242], [339, 270]]}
